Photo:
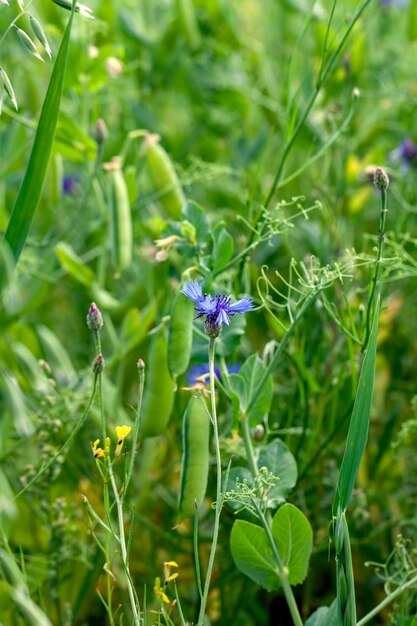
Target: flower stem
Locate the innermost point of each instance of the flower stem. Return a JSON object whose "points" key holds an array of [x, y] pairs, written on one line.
{"points": [[123, 550], [218, 489], [375, 276], [135, 430]]}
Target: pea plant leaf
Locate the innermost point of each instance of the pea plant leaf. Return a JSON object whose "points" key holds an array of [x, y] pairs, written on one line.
{"points": [[252, 552], [223, 247], [246, 383], [253, 555], [31, 188], [294, 538], [281, 462]]}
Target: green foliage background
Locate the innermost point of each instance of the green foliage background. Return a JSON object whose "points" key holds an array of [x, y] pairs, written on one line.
{"points": [[224, 94]]}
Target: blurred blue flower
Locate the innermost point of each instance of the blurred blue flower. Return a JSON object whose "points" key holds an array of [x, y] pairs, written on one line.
{"points": [[202, 369], [395, 3], [69, 185], [405, 154], [218, 309]]}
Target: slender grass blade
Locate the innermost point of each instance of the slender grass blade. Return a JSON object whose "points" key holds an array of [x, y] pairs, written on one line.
{"points": [[359, 423], [31, 188]]}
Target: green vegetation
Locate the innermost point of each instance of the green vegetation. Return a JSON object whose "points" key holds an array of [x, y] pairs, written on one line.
{"points": [[207, 356]]}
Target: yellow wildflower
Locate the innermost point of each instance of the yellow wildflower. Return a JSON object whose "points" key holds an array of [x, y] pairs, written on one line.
{"points": [[160, 591], [121, 432], [167, 571], [98, 453]]}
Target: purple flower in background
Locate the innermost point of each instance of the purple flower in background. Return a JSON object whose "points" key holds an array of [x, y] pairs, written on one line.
{"points": [[406, 153], [198, 370], [69, 185], [395, 3], [218, 309], [202, 369]]}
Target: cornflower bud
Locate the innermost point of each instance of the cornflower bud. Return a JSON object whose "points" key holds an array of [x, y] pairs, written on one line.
{"points": [[94, 318], [98, 364], [100, 131], [381, 179]]}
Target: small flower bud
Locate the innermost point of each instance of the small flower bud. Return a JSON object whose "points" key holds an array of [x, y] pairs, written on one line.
{"points": [[141, 365], [381, 179], [98, 364], [94, 318], [100, 132]]}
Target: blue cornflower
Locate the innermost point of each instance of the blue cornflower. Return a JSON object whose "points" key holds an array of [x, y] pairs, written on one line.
{"points": [[218, 309], [203, 369], [405, 154], [69, 185]]}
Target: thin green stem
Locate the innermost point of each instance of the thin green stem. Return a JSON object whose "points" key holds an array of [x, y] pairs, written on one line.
{"points": [[218, 489], [250, 453], [375, 276], [196, 556], [390, 598], [135, 429], [66, 445], [286, 587], [123, 550]]}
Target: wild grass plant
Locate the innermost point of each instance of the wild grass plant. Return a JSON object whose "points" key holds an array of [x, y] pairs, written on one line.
{"points": [[225, 190]]}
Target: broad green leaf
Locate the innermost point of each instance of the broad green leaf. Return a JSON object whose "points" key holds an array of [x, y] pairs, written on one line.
{"points": [[252, 554], [223, 247], [245, 385], [31, 188], [280, 461], [71, 263], [294, 538], [359, 423], [324, 616]]}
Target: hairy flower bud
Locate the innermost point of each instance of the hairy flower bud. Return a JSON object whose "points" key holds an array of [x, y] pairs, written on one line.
{"points": [[98, 364], [94, 318], [100, 131], [381, 179], [141, 365]]}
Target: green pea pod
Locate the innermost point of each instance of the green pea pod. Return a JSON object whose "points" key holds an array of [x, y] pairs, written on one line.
{"points": [[159, 392], [121, 220], [195, 457], [180, 334], [164, 177], [188, 22]]}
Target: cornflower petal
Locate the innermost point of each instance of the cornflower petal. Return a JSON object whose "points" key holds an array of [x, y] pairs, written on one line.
{"points": [[242, 306], [222, 318], [193, 291]]}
